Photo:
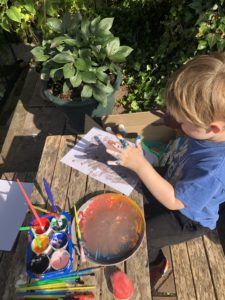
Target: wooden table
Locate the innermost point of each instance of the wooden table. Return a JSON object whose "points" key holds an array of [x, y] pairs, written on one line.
{"points": [[69, 186]]}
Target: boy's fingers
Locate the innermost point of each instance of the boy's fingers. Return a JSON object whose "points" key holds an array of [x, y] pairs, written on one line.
{"points": [[116, 154], [113, 162]]}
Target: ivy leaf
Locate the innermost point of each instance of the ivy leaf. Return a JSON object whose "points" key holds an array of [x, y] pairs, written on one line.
{"points": [[68, 70], [211, 38], [14, 13], [121, 54], [202, 45], [101, 75], [55, 24], [86, 91]]}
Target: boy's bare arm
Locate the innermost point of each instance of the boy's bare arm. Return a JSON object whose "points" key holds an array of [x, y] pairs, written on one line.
{"points": [[160, 188]]}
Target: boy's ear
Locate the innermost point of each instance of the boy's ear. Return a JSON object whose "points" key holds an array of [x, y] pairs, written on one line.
{"points": [[217, 127]]}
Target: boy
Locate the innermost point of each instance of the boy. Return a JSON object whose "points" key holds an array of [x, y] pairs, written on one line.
{"points": [[187, 197]]}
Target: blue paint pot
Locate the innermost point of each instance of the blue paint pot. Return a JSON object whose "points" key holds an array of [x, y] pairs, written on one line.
{"points": [[59, 240]]}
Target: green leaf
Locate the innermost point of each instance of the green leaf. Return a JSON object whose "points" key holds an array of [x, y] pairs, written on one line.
{"points": [[29, 6], [76, 80], [57, 41], [94, 24], [212, 39], [65, 87], [113, 46], [63, 58], [82, 64], [38, 53], [105, 24], [86, 91], [101, 75], [68, 70], [108, 89], [85, 24], [121, 54], [14, 13], [56, 73], [55, 24], [71, 42], [202, 45], [88, 77], [99, 95]]}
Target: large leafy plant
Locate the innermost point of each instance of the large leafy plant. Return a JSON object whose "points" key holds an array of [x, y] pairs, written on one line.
{"points": [[81, 54]]}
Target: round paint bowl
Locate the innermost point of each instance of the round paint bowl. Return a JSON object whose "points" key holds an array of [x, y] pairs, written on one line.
{"points": [[46, 248], [59, 259], [59, 240], [59, 224], [39, 264], [45, 224], [112, 228]]}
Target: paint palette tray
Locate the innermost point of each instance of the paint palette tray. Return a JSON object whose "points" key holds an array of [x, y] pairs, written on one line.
{"points": [[51, 252]]}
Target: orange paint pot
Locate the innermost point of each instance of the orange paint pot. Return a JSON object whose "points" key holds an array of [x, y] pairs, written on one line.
{"points": [[46, 248]]}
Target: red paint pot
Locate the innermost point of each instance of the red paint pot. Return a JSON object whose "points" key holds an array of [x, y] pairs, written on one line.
{"points": [[45, 224], [123, 288]]}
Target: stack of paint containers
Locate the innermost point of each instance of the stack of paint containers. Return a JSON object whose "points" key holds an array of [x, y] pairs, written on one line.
{"points": [[50, 248]]}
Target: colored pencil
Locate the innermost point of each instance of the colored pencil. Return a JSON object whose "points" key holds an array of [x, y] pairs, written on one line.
{"points": [[46, 211], [36, 238], [29, 202], [82, 254], [49, 193], [80, 296]]}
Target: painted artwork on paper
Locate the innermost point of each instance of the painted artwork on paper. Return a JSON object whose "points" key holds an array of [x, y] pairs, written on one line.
{"points": [[90, 157]]}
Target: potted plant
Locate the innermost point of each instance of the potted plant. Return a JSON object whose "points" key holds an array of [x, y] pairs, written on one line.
{"points": [[78, 62]]}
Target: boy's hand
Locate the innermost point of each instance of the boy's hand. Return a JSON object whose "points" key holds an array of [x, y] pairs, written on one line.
{"points": [[129, 157]]}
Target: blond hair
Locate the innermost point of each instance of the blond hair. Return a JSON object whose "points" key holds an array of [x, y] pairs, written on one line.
{"points": [[196, 91]]}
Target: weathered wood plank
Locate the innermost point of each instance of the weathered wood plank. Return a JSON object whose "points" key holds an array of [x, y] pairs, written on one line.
{"points": [[46, 168], [62, 172], [182, 272], [199, 266], [137, 267], [95, 187], [13, 263], [216, 260]]}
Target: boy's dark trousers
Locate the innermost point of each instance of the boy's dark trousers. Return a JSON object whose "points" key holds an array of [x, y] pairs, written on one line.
{"points": [[167, 227]]}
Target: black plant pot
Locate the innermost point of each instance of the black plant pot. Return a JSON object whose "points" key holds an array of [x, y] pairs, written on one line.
{"points": [[75, 111]]}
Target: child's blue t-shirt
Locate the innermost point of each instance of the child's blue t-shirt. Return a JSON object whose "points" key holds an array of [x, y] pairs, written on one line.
{"points": [[196, 169]]}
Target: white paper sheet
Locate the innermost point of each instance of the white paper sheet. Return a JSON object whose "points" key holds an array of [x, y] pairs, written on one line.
{"points": [[90, 157], [13, 208]]}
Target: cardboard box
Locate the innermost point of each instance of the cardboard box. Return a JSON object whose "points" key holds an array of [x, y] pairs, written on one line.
{"points": [[144, 123]]}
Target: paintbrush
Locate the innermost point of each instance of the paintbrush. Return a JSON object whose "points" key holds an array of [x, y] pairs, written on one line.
{"points": [[82, 254], [49, 193], [36, 238], [61, 289], [122, 140], [48, 281], [46, 211], [80, 296], [25, 228], [45, 286], [122, 130], [29, 203], [81, 272]]}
